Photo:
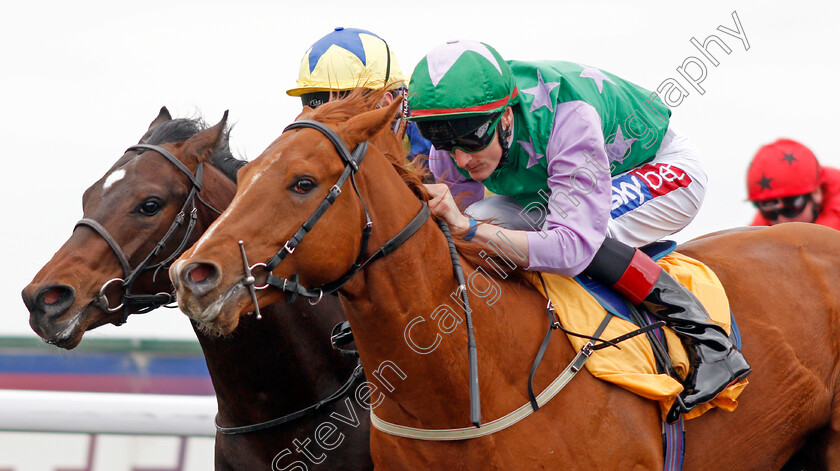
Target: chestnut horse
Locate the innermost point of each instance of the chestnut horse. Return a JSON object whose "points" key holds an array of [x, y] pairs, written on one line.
{"points": [[267, 369], [782, 283]]}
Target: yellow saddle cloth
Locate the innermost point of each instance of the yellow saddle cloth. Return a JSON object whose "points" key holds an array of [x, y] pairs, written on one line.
{"points": [[634, 367]]}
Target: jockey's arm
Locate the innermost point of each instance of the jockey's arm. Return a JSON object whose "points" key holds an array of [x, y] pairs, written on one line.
{"points": [[576, 220]]}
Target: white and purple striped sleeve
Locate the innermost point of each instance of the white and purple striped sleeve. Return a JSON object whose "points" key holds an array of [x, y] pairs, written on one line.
{"points": [[581, 193]]}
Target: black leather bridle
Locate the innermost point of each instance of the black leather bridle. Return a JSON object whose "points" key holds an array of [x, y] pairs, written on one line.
{"points": [[291, 285], [294, 288], [147, 302]]}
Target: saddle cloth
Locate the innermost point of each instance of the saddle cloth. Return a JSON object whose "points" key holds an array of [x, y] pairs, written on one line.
{"points": [[634, 366]]}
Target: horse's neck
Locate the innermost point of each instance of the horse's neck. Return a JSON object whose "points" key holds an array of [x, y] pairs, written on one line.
{"points": [[217, 191], [276, 365], [398, 308], [413, 279]]}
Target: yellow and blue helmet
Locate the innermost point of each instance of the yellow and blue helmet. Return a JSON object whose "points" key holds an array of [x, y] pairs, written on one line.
{"points": [[345, 59]]}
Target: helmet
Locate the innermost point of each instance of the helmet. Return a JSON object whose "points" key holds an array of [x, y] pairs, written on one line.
{"points": [[345, 59], [461, 79], [781, 169]]}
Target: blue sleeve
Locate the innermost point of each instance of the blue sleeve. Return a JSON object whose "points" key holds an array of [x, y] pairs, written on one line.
{"points": [[419, 145]]}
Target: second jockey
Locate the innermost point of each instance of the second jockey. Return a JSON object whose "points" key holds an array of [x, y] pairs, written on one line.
{"points": [[348, 58]]}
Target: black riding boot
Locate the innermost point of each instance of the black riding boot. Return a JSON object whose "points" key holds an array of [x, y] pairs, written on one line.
{"points": [[715, 362]]}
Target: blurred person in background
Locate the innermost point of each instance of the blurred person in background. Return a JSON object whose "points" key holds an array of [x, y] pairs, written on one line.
{"points": [[786, 183]]}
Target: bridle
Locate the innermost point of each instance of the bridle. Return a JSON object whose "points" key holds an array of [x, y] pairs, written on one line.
{"points": [[294, 288], [291, 285], [147, 302]]}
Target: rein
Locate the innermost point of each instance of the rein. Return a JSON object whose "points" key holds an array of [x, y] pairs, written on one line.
{"points": [[335, 396], [352, 161], [475, 394], [291, 285], [149, 301]]}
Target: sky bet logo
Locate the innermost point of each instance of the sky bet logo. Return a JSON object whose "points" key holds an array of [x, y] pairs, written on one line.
{"points": [[645, 183]]}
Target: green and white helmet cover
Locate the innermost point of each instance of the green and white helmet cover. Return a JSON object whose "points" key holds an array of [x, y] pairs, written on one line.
{"points": [[460, 79]]}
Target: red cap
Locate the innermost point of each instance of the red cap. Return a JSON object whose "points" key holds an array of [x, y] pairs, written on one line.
{"points": [[783, 168]]}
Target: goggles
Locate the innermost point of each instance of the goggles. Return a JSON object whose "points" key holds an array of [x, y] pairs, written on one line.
{"points": [[316, 99], [788, 207], [468, 134]]}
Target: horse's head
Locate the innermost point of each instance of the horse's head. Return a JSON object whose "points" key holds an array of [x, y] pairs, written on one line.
{"points": [[115, 261], [278, 191]]}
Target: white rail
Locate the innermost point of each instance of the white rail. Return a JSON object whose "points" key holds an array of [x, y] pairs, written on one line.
{"points": [[134, 414]]}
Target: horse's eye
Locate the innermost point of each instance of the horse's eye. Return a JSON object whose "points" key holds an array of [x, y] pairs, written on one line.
{"points": [[150, 207], [303, 186]]}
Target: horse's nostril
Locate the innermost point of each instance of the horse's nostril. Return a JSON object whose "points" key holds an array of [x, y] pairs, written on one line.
{"points": [[200, 273], [200, 277], [52, 295], [52, 299]]}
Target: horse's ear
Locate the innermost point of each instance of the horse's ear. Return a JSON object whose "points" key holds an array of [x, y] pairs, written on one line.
{"points": [[162, 117], [202, 144], [360, 128]]}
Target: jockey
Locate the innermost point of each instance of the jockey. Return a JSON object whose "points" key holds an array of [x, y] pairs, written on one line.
{"points": [[786, 184], [584, 167], [348, 58]]}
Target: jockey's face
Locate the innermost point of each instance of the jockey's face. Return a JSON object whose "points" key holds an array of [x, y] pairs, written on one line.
{"points": [[807, 213], [482, 163], [479, 164]]}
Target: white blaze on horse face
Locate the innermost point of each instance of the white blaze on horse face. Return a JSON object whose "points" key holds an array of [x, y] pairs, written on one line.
{"points": [[114, 177], [233, 205]]}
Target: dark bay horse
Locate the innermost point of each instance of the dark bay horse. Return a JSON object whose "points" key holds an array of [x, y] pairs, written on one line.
{"points": [[267, 369], [782, 283]]}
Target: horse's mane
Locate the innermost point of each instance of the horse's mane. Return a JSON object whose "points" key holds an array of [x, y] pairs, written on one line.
{"points": [[360, 100], [181, 129], [175, 130]]}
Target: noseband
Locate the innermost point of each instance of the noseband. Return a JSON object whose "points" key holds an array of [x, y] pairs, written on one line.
{"points": [[149, 301], [351, 166]]}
